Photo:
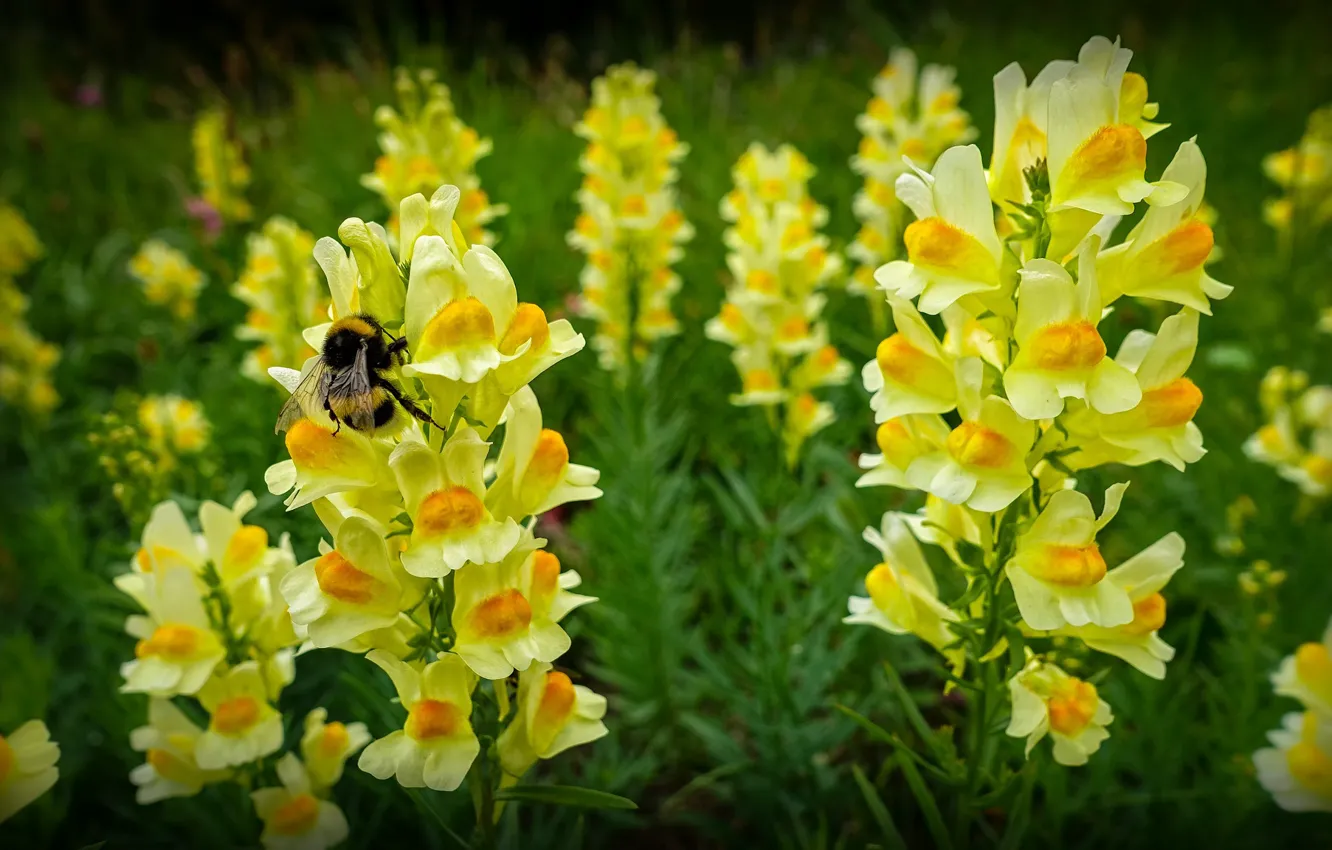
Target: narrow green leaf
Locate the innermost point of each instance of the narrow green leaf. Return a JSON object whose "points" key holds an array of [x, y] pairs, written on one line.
{"points": [[423, 805], [928, 805], [879, 811], [566, 795], [1017, 825]]}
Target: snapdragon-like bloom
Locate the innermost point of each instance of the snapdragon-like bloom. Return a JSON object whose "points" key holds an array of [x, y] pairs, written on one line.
{"points": [[1297, 437], [771, 316], [1048, 701], [26, 361], [1306, 674], [327, 745], [294, 818], [1297, 769], [279, 287], [169, 768], [219, 166], [909, 117], [630, 226], [167, 277], [28, 769], [424, 144], [903, 594], [436, 746], [243, 725], [552, 715], [177, 649], [1304, 173]]}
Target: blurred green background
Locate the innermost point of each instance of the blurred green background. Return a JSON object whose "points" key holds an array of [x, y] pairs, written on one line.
{"points": [[722, 577]]}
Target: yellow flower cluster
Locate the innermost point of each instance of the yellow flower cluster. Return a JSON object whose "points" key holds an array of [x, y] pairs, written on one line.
{"points": [[28, 769], [26, 360], [771, 316], [1297, 437], [1297, 769], [1304, 173], [630, 226], [220, 167], [910, 117], [279, 286], [215, 630], [424, 144], [1030, 391], [434, 571], [173, 425], [167, 277]]}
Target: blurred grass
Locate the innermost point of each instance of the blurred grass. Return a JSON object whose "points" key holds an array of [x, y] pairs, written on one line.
{"points": [[723, 579]]}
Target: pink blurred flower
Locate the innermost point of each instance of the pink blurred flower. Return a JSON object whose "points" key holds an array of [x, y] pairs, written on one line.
{"points": [[88, 95], [206, 214]]}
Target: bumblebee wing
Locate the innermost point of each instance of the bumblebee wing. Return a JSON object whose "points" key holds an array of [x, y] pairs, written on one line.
{"points": [[309, 395], [350, 396]]}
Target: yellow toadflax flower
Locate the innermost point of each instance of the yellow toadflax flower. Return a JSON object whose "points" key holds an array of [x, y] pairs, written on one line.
{"points": [[553, 714], [909, 117], [630, 226], [326, 747], [1297, 769], [1304, 173], [167, 277], [294, 818], [26, 361], [779, 264], [1307, 674], [177, 649], [1046, 700], [436, 746], [423, 144], [28, 769], [903, 595], [243, 725], [220, 166], [278, 286], [169, 768]]}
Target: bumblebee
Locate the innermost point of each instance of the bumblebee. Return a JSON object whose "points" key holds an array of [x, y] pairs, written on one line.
{"points": [[350, 380]]}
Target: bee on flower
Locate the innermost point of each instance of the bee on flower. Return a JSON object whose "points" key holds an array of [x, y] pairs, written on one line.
{"points": [[629, 226], [423, 144], [780, 264], [996, 389], [432, 570], [167, 277], [279, 287], [911, 117], [219, 166], [26, 361]]}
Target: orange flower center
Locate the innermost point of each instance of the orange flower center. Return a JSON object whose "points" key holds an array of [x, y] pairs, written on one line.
{"points": [[1313, 667], [167, 764], [1187, 246], [732, 318], [634, 205], [1112, 152], [760, 280], [334, 740], [903, 363], [973, 444], [1311, 768], [1070, 566], [501, 616], [462, 323], [549, 459], [1149, 614], [317, 448], [433, 718], [793, 328], [236, 715], [545, 578], [1173, 404], [246, 546], [934, 242], [170, 641], [528, 325], [556, 706], [1072, 707], [1066, 347], [760, 381], [338, 578], [449, 511], [1318, 467], [297, 816]]}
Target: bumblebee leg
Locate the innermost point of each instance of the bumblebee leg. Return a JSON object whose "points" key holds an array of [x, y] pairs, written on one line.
{"points": [[396, 349], [336, 421], [409, 405]]}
